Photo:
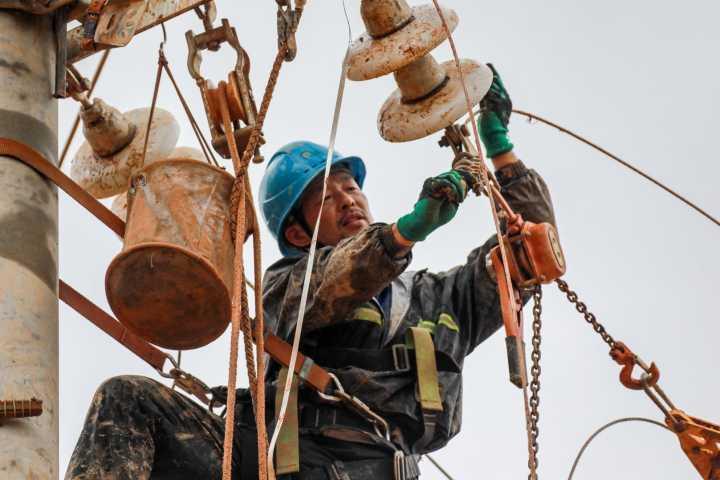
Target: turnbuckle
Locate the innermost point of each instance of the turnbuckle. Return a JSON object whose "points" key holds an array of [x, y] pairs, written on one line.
{"points": [[237, 89]]}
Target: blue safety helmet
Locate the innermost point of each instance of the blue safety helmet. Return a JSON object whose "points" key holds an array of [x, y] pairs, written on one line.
{"points": [[288, 174]]}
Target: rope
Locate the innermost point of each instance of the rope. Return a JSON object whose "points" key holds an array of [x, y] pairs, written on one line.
{"points": [[531, 116], [204, 146], [240, 313], [264, 107], [496, 220], [313, 248], [158, 76], [605, 427], [76, 122]]}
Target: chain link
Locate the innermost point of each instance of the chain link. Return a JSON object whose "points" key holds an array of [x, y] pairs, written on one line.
{"points": [[535, 382], [583, 309]]}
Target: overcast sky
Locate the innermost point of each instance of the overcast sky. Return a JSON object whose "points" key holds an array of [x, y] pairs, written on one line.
{"points": [[640, 78]]}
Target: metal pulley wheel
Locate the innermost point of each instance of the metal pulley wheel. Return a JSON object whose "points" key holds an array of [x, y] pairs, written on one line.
{"points": [[389, 49], [113, 150]]}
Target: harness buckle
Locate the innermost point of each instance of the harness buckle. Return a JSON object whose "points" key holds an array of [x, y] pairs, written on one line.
{"points": [[401, 358]]}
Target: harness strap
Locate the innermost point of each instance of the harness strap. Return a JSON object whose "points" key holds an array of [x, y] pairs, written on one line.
{"points": [[32, 158], [396, 358], [314, 375], [287, 452], [427, 381], [404, 468]]}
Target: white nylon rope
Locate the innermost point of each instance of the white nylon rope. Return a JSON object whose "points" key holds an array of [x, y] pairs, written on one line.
{"points": [[313, 248]]}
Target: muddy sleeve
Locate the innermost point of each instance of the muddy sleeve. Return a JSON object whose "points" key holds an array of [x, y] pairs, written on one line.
{"points": [[343, 277], [467, 292]]}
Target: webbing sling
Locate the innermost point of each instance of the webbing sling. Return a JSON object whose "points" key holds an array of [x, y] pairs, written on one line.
{"points": [[277, 348], [428, 382], [287, 451]]}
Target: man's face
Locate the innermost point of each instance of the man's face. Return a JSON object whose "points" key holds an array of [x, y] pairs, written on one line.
{"points": [[344, 213]]}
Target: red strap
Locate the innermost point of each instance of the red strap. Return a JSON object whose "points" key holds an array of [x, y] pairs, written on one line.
{"points": [[155, 357], [277, 348], [509, 314], [32, 158]]}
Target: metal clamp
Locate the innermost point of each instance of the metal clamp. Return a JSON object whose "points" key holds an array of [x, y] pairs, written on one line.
{"points": [[287, 21]]}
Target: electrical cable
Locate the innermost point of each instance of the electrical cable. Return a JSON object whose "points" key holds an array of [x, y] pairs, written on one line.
{"points": [[531, 116], [438, 466], [313, 245], [605, 427]]}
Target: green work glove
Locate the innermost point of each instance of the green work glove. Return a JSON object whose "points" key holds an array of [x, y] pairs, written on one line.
{"points": [[437, 205], [495, 109]]}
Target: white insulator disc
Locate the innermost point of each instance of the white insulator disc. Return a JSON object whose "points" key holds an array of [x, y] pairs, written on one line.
{"points": [[371, 57], [104, 177], [402, 122]]}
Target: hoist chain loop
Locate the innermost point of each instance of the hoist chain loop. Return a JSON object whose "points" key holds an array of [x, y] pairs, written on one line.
{"points": [[583, 309], [535, 380]]}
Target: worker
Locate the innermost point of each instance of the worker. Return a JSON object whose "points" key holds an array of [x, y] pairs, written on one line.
{"points": [[361, 306]]}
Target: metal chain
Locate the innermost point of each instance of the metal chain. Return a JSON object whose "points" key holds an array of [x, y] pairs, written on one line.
{"points": [[583, 309], [535, 381]]}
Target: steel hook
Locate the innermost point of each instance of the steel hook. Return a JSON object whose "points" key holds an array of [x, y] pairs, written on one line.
{"points": [[622, 354]]}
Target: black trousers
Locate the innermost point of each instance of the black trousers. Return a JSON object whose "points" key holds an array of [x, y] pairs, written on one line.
{"points": [[139, 429]]}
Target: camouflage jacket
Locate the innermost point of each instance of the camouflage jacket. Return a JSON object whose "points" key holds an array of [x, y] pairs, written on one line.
{"points": [[362, 300]]}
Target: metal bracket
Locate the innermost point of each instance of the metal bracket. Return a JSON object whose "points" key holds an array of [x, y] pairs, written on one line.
{"points": [[155, 12], [238, 90]]}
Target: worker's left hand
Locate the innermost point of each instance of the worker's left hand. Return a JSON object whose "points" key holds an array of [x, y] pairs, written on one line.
{"points": [[437, 205]]}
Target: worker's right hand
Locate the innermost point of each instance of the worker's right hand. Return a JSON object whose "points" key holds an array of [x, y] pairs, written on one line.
{"points": [[437, 205]]}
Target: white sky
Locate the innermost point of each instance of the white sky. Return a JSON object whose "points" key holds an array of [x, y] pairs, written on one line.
{"points": [[640, 78]]}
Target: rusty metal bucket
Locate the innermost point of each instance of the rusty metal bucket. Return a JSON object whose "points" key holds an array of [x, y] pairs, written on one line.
{"points": [[172, 282]]}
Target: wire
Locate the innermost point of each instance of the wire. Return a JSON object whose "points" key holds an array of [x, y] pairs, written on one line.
{"points": [[532, 116], [439, 467], [605, 427], [313, 247]]}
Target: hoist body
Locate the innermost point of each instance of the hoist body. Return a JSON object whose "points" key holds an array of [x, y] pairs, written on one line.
{"points": [[534, 255]]}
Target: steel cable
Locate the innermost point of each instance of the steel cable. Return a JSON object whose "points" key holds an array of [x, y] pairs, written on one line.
{"points": [[605, 427], [531, 116]]}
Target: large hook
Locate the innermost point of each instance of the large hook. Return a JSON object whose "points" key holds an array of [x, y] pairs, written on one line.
{"points": [[622, 354]]}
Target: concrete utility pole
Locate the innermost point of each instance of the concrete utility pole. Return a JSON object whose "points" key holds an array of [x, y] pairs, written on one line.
{"points": [[28, 247]]}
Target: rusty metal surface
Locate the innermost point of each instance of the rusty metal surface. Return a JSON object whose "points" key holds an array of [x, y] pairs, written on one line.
{"points": [[700, 440], [402, 122], [371, 58], [382, 17], [171, 283], [118, 22], [36, 7], [158, 11], [104, 177]]}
